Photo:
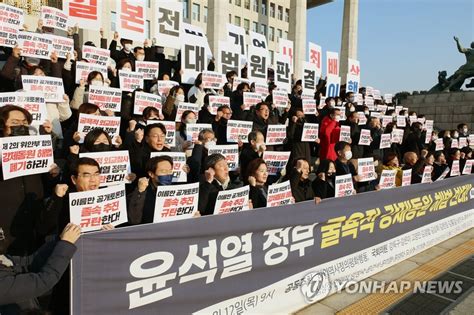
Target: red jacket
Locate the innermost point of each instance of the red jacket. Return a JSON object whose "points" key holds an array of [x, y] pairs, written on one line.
{"points": [[329, 136]]}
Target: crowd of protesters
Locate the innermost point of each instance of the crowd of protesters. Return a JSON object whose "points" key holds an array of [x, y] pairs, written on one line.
{"points": [[36, 238]]}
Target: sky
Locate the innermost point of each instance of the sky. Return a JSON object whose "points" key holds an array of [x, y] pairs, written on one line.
{"points": [[402, 44]]}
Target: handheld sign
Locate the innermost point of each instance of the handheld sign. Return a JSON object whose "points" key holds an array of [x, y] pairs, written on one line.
{"points": [[387, 179], [95, 55], [216, 101], [130, 19], [183, 106], [280, 194], [149, 69], [309, 106], [344, 186], [26, 155], [366, 169], [144, 100], [176, 202], [406, 177], [114, 166], [280, 98], [234, 200], [251, 99], [86, 15], [455, 169], [193, 130], [51, 87], [110, 125], [84, 68], [169, 16], [34, 103], [105, 97], [164, 86], [468, 167], [345, 134], [213, 80], [94, 208], [426, 177], [62, 46], [365, 138], [310, 132], [238, 130], [230, 152], [35, 45], [385, 140], [276, 134], [130, 81], [54, 18], [11, 19], [276, 161], [443, 175]]}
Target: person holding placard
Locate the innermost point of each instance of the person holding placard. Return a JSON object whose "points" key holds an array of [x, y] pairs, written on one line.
{"points": [[324, 184], [95, 78], [257, 175], [182, 144], [439, 164], [390, 162], [260, 120], [299, 180], [216, 179], [125, 53], [454, 156], [329, 134], [196, 93], [353, 122], [197, 160], [295, 131], [175, 96], [141, 202], [414, 141], [237, 101], [252, 150]]}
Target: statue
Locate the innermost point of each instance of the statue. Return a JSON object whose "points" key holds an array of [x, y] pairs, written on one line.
{"points": [[466, 71]]}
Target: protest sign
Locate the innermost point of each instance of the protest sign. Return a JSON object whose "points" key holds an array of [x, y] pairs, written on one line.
{"points": [[310, 132], [282, 70], [397, 135], [454, 143], [455, 169], [168, 23], [11, 20], [237, 81], [387, 179], [362, 118], [401, 121], [238, 130], [176, 202], [130, 23], [84, 68], [84, 13], [194, 52], [386, 119], [183, 106], [276, 161], [105, 97], [94, 208], [426, 177], [276, 134], [251, 99], [315, 56], [352, 83], [213, 80], [179, 162], [62, 46], [95, 55], [51, 87], [406, 177], [228, 58], [26, 155], [468, 167], [444, 174], [114, 166], [310, 77], [344, 186], [366, 169], [164, 86], [192, 130], [216, 101], [345, 134], [309, 107], [261, 89], [149, 69], [236, 37], [230, 152], [110, 125], [439, 144], [385, 140], [462, 142], [130, 81], [280, 98], [54, 18], [365, 138], [333, 86], [388, 99], [332, 64], [35, 45], [144, 100], [34, 103], [233, 200], [280, 194]]}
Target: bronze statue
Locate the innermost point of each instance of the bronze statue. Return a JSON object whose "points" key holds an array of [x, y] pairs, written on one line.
{"points": [[466, 71]]}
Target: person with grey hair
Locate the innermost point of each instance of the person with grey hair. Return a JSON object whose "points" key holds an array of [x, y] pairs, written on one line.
{"points": [[196, 161], [216, 178]]}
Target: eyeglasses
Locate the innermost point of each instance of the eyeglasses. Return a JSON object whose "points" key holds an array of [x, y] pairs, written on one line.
{"points": [[89, 175]]}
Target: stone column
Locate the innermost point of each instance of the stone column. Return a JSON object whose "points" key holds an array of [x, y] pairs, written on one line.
{"points": [[297, 33], [216, 23], [349, 36]]}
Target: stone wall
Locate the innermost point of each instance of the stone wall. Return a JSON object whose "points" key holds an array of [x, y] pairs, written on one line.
{"points": [[446, 109]]}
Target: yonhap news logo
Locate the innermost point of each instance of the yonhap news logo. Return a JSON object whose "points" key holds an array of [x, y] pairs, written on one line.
{"points": [[316, 286]]}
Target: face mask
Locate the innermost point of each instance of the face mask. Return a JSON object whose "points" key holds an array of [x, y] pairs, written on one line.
{"points": [[127, 47], [352, 99], [19, 131], [456, 135], [348, 155], [366, 113], [465, 130], [226, 183], [97, 83], [209, 144], [337, 118], [165, 179], [160, 50], [32, 61], [179, 97], [332, 104], [101, 147], [141, 57], [126, 69], [352, 109], [190, 121], [339, 103]]}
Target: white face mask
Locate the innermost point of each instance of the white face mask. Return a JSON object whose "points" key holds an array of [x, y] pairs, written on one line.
{"points": [[32, 61], [209, 144], [348, 155], [127, 47], [352, 109], [97, 83], [465, 130], [179, 98], [190, 121], [332, 104], [126, 69], [141, 57]]}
